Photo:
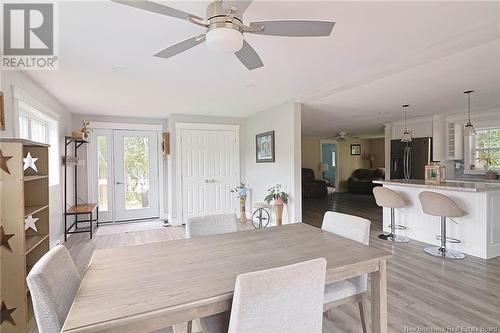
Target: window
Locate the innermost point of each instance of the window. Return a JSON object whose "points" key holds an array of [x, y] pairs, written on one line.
{"points": [[32, 125], [38, 126], [485, 150]]}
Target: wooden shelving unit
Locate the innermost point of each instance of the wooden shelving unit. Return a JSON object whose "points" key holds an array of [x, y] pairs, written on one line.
{"points": [[23, 193], [89, 210]]}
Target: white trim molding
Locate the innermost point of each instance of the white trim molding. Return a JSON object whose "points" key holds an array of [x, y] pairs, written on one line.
{"points": [[126, 126], [208, 127]]}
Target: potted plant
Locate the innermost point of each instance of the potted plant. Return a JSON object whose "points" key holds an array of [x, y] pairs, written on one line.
{"points": [[85, 132], [280, 199], [241, 191], [489, 158]]}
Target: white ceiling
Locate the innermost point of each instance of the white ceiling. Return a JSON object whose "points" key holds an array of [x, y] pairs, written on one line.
{"points": [[380, 55]]}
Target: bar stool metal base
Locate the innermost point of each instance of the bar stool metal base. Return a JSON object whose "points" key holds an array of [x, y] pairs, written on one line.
{"points": [[394, 238], [442, 252]]}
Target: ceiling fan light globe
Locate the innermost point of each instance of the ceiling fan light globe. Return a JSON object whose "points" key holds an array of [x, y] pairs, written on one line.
{"points": [[225, 40]]}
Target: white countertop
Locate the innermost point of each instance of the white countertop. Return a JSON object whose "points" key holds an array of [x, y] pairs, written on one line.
{"points": [[453, 185]]}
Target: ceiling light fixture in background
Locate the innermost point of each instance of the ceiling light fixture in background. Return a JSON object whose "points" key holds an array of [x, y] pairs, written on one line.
{"points": [[469, 128], [406, 136]]}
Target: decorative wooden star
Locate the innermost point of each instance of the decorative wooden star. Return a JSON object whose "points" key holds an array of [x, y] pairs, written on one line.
{"points": [[29, 162], [3, 162], [6, 314], [29, 222], [4, 239]]}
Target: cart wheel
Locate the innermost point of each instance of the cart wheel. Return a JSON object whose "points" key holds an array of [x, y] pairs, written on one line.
{"points": [[260, 218]]}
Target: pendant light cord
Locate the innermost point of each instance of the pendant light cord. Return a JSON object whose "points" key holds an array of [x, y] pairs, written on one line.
{"points": [[468, 104], [405, 106], [468, 92]]}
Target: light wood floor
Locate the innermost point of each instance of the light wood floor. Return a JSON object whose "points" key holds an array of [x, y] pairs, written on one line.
{"points": [[423, 291]]}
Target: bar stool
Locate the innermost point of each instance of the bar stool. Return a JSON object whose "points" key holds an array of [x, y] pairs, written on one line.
{"points": [[437, 204], [390, 199]]}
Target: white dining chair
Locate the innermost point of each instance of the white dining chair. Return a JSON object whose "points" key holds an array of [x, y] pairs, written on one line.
{"points": [[211, 225], [352, 290], [286, 299], [53, 283]]}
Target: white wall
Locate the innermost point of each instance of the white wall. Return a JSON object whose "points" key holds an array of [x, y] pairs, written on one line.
{"points": [[20, 80], [285, 121]]}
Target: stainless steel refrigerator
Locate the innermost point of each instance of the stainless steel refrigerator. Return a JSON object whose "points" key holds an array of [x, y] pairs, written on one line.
{"points": [[408, 159]]}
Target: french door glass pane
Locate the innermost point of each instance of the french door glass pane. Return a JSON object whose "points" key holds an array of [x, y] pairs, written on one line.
{"points": [[136, 167], [102, 172]]}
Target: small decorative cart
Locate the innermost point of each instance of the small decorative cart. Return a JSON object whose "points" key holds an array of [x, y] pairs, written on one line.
{"points": [[261, 216]]}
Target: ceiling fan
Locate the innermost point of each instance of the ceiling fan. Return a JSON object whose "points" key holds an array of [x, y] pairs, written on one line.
{"points": [[225, 28], [342, 136]]}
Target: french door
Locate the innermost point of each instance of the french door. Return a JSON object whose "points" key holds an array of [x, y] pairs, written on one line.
{"points": [[210, 168], [126, 168]]}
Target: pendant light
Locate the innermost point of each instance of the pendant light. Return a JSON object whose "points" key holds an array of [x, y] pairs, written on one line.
{"points": [[406, 136], [469, 128]]}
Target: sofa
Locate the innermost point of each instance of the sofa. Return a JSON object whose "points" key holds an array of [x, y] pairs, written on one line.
{"points": [[361, 180], [312, 188]]}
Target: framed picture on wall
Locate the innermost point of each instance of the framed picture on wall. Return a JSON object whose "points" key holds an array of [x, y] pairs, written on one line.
{"points": [[356, 149], [2, 115], [264, 147]]}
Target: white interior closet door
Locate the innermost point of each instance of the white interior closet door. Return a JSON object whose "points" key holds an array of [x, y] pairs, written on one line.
{"points": [[210, 168]]}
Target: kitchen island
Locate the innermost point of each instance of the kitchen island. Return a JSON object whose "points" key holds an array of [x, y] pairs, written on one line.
{"points": [[478, 230]]}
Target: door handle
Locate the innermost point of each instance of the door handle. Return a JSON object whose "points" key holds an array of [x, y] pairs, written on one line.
{"points": [[118, 183], [210, 180]]}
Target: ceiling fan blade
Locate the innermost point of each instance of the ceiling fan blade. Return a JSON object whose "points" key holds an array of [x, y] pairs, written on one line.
{"points": [[294, 28], [157, 8], [249, 57], [181, 46], [242, 5]]}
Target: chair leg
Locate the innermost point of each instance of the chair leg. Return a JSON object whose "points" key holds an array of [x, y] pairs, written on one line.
{"points": [[362, 313], [190, 326]]}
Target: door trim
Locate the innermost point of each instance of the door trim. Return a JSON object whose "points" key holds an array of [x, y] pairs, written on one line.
{"points": [[91, 176], [179, 127]]}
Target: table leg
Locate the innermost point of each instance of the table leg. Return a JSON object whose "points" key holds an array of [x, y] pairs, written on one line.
{"points": [[91, 222], [379, 299]]}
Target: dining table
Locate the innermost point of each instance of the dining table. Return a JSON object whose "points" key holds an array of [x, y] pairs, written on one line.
{"points": [[147, 287]]}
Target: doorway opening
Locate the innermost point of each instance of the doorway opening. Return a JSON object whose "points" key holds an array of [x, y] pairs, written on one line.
{"points": [[329, 164], [125, 174]]}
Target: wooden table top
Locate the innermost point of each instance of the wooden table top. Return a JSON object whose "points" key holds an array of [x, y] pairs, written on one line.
{"points": [[129, 282]]}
